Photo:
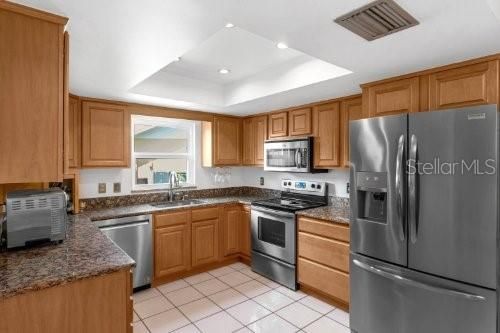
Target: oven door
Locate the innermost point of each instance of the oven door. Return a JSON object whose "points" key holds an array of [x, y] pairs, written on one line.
{"points": [[274, 233], [290, 155]]}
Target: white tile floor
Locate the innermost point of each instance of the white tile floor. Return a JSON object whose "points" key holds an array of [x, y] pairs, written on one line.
{"points": [[233, 299]]}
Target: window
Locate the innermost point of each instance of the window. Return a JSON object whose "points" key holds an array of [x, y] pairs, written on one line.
{"points": [[160, 146]]}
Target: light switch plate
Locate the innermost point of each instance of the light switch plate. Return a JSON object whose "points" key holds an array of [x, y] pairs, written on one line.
{"points": [[101, 188], [117, 187]]}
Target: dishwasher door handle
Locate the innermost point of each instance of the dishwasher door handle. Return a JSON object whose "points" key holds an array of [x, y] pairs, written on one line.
{"points": [[123, 226]]}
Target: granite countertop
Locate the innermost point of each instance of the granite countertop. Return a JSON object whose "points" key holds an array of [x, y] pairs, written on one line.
{"points": [[85, 253], [109, 213], [328, 213]]}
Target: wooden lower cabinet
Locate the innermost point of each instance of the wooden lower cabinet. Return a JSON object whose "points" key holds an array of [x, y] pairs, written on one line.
{"points": [[245, 232], [172, 249], [204, 242], [101, 305], [323, 258], [230, 230]]}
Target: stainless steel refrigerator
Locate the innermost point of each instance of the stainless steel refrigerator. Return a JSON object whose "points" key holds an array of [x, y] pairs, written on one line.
{"points": [[424, 222]]}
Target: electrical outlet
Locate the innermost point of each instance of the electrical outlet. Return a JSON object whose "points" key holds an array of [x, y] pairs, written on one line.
{"points": [[348, 188], [261, 180], [117, 187], [101, 188]]}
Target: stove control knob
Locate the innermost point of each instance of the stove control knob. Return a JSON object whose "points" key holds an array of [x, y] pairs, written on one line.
{"points": [[313, 186], [319, 187], [289, 183]]}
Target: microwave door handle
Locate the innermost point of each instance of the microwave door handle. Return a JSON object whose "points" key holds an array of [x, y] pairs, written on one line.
{"points": [[297, 158]]}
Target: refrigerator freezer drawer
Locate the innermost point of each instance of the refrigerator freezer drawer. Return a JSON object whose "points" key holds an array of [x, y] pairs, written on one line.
{"points": [[391, 299]]}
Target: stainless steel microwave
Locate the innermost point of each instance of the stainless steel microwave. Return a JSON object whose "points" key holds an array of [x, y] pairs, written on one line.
{"points": [[290, 155]]}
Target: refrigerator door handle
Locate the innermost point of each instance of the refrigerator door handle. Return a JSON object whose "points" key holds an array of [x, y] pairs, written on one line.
{"points": [[414, 283], [399, 186], [412, 189]]}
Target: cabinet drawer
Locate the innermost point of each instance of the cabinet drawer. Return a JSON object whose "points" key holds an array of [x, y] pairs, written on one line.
{"points": [[325, 251], [205, 214], [324, 229], [327, 280], [168, 219]]}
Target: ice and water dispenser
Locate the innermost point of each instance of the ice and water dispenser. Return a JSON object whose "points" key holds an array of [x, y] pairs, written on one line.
{"points": [[371, 190]]}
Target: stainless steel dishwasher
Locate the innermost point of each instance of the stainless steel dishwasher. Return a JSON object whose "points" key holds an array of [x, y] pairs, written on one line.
{"points": [[133, 235]]}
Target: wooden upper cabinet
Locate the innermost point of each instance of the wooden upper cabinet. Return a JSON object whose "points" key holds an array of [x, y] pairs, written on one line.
{"points": [[326, 135], [248, 142], [31, 94], [299, 122], [350, 109], [260, 136], [226, 141], [278, 125], [254, 135], [74, 133], [230, 230], [392, 97], [474, 84], [105, 135]]}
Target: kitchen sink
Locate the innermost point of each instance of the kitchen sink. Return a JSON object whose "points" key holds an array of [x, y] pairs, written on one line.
{"points": [[177, 203]]}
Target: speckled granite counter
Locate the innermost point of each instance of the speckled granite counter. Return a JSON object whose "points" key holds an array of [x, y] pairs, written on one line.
{"points": [[108, 213], [86, 252], [328, 213]]}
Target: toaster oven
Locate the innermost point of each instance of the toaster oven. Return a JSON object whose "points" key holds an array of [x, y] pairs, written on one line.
{"points": [[35, 216]]}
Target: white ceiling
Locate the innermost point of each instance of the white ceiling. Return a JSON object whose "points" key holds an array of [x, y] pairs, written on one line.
{"points": [[118, 44]]}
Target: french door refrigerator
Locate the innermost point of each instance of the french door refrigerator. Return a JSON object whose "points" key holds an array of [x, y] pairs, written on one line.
{"points": [[424, 222]]}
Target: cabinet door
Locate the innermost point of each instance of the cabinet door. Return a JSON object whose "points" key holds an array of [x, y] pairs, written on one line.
{"points": [[393, 97], [300, 121], [171, 250], [31, 97], [230, 230], [327, 135], [205, 241], [105, 135], [74, 132], [227, 141], [349, 110], [248, 142], [278, 125], [260, 135], [465, 86], [245, 242]]}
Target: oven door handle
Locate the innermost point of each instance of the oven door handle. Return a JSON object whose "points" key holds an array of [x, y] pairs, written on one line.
{"points": [[273, 212]]}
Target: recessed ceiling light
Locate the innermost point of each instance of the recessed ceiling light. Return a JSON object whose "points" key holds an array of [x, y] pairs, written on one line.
{"points": [[229, 25], [281, 46], [224, 71]]}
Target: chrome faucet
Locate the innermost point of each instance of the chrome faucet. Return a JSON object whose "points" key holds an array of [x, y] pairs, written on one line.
{"points": [[174, 183]]}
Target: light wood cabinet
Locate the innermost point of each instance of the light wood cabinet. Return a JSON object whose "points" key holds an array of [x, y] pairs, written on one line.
{"points": [[204, 238], [350, 109], [230, 230], [74, 133], [300, 122], [98, 304], [222, 142], [323, 258], [31, 94], [327, 135], [254, 136], [245, 234], [172, 243], [248, 142], [474, 84], [105, 135], [278, 125], [393, 97]]}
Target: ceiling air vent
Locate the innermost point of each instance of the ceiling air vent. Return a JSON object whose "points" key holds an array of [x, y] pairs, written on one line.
{"points": [[377, 19]]}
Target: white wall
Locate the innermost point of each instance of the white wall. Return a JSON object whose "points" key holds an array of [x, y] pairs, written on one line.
{"points": [[240, 176]]}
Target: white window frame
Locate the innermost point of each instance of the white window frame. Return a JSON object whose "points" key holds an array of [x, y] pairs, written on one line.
{"points": [[189, 125]]}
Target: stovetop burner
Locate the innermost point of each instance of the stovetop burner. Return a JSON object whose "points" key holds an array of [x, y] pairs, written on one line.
{"points": [[290, 204]]}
